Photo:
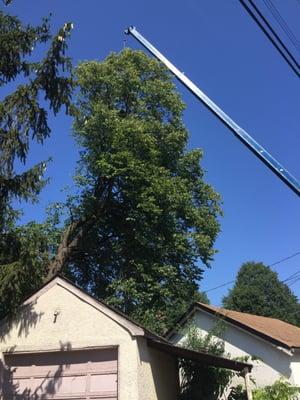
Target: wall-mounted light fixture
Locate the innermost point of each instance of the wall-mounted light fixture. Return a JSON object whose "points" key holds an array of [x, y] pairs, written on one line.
{"points": [[56, 314]]}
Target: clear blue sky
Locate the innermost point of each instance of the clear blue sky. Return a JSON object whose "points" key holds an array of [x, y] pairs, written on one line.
{"points": [[219, 47]]}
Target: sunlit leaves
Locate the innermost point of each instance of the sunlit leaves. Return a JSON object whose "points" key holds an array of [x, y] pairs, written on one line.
{"points": [[159, 219]]}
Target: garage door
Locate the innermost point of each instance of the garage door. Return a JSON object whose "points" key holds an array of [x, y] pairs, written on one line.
{"points": [[75, 375]]}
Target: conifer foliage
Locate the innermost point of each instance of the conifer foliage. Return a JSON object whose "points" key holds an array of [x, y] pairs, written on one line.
{"points": [[46, 85], [258, 290]]}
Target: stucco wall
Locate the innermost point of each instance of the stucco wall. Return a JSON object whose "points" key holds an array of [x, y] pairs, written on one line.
{"points": [[157, 374], [295, 367], [77, 325], [273, 363]]}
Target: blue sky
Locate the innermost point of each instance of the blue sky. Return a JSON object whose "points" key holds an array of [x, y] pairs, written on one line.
{"points": [[220, 48]]}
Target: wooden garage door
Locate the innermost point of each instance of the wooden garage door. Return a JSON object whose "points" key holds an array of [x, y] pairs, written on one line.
{"points": [[90, 374]]}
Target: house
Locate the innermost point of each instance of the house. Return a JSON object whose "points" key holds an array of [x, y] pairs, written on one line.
{"points": [[275, 343], [64, 344]]}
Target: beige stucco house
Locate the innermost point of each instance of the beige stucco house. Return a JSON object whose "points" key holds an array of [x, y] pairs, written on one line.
{"points": [[64, 344], [275, 343]]}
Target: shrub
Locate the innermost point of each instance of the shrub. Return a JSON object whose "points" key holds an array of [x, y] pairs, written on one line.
{"points": [[198, 381], [280, 390]]}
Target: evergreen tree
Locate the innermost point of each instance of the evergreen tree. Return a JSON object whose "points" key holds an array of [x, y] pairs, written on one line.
{"points": [[144, 218], [258, 290], [23, 265], [23, 119]]}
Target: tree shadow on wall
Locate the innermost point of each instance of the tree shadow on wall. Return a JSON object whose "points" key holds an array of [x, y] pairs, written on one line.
{"points": [[24, 319], [46, 389]]}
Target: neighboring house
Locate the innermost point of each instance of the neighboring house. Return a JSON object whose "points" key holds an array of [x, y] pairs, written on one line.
{"points": [[64, 344], [274, 342]]}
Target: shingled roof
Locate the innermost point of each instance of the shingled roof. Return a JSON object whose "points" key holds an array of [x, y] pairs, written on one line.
{"points": [[273, 330]]}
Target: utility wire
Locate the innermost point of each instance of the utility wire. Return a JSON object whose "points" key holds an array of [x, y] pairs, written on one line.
{"points": [[291, 277], [283, 24], [264, 19], [286, 258], [293, 283], [282, 49], [217, 287], [271, 265]]}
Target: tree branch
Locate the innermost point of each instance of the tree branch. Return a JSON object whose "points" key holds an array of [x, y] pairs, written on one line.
{"points": [[77, 229]]}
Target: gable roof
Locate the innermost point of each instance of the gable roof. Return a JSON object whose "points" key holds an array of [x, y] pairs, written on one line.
{"points": [[135, 328], [273, 330]]}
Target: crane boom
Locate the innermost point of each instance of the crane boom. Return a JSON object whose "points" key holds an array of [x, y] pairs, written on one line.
{"points": [[239, 132]]}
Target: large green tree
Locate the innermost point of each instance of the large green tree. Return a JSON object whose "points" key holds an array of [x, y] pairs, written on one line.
{"points": [[34, 87], [144, 220], [258, 290]]}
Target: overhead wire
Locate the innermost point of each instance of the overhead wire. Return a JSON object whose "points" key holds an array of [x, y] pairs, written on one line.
{"points": [[283, 24], [266, 22], [275, 39], [269, 26], [295, 281], [217, 287], [271, 265], [286, 258], [291, 277]]}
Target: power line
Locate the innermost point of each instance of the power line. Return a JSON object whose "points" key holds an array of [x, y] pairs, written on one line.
{"points": [[217, 287], [292, 279], [264, 19], [293, 283], [283, 24], [281, 48], [286, 258], [271, 265]]}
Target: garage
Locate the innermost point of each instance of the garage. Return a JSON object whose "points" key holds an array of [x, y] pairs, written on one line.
{"points": [[63, 344], [84, 374]]}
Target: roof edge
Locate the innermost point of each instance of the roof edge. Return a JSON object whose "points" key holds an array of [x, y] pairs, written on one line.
{"points": [[205, 358], [201, 306], [245, 327]]}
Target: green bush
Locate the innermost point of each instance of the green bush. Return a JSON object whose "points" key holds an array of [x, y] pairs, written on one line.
{"points": [[280, 390], [201, 382], [198, 381], [237, 393]]}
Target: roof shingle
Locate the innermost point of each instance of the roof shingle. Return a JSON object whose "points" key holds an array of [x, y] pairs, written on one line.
{"points": [[270, 328]]}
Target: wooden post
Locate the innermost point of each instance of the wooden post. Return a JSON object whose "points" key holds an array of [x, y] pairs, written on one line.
{"points": [[247, 384]]}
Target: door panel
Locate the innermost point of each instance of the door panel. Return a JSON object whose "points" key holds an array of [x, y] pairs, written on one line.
{"points": [[67, 375]]}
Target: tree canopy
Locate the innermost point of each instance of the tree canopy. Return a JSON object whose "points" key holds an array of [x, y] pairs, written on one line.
{"points": [[258, 290], [142, 224], [46, 85], [144, 219]]}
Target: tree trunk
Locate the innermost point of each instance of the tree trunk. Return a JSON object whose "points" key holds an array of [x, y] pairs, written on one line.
{"points": [[70, 241], [76, 230]]}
